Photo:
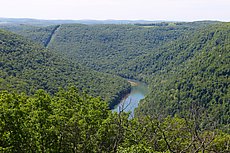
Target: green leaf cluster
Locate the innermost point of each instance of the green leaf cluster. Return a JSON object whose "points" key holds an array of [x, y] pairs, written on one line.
{"points": [[71, 121]]}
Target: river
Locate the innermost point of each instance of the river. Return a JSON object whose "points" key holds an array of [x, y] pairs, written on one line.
{"points": [[131, 101]]}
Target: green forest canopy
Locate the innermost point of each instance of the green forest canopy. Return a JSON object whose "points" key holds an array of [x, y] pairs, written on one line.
{"points": [[185, 64], [72, 122], [27, 66]]}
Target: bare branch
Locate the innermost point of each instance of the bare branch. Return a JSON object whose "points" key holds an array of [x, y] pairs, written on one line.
{"points": [[165, 139]]}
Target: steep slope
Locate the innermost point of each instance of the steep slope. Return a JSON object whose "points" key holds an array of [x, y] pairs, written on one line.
{"points": [[105, 47], [193, 75], [185, 64], [37, 34], [108, 48], [26, 66]]}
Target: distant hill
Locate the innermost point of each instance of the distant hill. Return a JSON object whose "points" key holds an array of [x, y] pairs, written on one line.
{"points": [[40, 22]]}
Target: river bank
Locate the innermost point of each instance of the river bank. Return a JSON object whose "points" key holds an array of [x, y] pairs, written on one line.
{"points": [[119, 98], [133, 83], [130, 101]]}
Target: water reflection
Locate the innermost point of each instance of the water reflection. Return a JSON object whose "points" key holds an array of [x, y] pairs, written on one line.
{"points": [[130, 101]]}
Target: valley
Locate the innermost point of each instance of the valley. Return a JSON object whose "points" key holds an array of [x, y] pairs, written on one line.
{"points": [[163, 81]]}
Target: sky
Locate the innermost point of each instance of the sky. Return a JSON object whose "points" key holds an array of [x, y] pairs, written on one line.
{"points": [[171, 10]]}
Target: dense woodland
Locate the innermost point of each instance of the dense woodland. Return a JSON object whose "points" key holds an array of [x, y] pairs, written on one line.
{"points": [[186, 66], [193, 75], [39, 35], [27, 66]]}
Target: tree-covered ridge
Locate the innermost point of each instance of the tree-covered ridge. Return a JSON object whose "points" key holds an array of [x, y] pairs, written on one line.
{"points": [[170, 55], [185, 64], [69, 121], [181, 63], [26, 66], [187, 70], [195, 74], [37, 34], [111, 48], [182, 56], [106, 47]]}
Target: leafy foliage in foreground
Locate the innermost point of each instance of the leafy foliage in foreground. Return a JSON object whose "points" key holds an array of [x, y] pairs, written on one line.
{"points": [[26, 66], [71, 121]]}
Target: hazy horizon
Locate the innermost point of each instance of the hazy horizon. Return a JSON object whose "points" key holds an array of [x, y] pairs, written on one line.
{"points": [[152, 10]]}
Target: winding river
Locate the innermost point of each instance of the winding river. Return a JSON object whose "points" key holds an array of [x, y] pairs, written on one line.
{"points": [[130, 101]]}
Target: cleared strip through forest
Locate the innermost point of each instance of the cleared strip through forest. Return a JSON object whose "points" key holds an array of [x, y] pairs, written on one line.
{"points": [[51, 35]]}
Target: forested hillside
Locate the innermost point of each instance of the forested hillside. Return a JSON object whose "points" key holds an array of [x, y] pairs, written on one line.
{"points": [[186, 66], [192, 73], [37, 34], [108, 48], [26, 66]]}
